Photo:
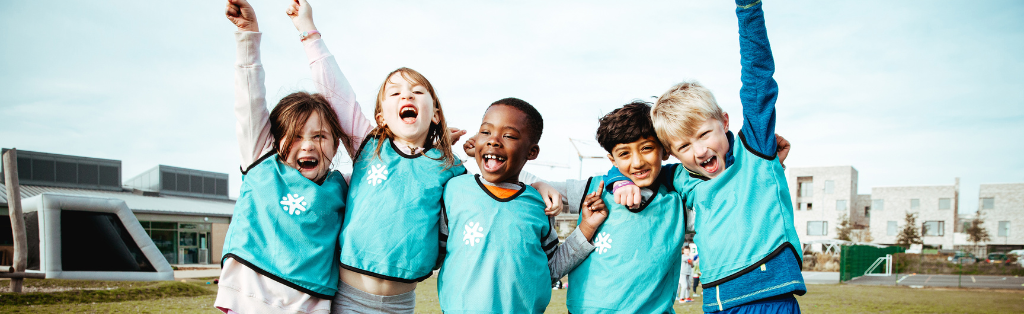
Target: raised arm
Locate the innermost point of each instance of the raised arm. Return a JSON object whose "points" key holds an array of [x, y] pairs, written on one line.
{"points": [[328, 78], [253, 119], [759, 91]]}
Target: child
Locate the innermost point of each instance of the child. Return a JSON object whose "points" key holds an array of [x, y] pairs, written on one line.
{"points": [[504, 254], [636, 265], [685, 275], [750, 250], [279, 249], [390, 234]]}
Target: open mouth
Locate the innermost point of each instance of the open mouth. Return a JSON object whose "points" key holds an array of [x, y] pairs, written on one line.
{"points": [[307, 163], [493, 162], [710, 165], [408, 114], [642, 174]]}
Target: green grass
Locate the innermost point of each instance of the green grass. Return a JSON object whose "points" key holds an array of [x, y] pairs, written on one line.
{"points": [[160, 297]]}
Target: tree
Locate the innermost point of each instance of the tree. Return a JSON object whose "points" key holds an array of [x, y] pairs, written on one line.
{"points": [[843, 229], [975, 232], [909, 235]]}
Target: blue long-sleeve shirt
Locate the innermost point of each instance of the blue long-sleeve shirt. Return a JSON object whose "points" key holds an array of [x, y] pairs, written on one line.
{"points": [[758, 95]]}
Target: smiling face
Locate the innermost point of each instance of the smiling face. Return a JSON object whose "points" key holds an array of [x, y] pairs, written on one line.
{"points": [[640, 160], [503, 145], [704, 152], [311, 149], [407, 108]]}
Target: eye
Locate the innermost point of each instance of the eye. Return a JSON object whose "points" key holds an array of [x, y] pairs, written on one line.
{"points": [[684, 147], [705, 134], [509, 136], [623, 154], [646, 148], [417, 92], [393, 94]]}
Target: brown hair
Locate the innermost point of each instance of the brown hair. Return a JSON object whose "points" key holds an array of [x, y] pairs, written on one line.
{"points": [[437, 136], [291, 114]]}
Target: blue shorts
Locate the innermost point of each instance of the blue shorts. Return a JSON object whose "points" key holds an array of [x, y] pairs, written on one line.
{"points": [[778, 304]]}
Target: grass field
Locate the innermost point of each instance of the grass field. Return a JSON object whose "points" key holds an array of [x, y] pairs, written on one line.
{"points": [[166, 297]]}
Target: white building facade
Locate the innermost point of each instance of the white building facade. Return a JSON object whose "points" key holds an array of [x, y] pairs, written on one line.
{"points": [[935, 208]]}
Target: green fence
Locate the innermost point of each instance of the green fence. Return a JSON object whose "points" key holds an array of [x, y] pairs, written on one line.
{"points": [[854, 260]]}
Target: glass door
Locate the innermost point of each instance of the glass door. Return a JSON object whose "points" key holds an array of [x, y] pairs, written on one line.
{"points": [[188, 246]]}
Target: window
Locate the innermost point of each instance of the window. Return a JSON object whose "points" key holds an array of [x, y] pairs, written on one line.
{"points": [[945, 203], [841, 205], [817, 228], [806, 189], [809, 206], [892, 228], [934, 228], [867, 211], [878, 204], [915, 203], [829, 186], [988, 203], [1004, 229]]}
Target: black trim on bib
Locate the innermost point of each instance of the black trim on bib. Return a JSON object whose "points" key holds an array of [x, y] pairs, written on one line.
{"points": [[756, 265], [747, 147], [373, 274], [522, 188], [401, 153], [274, 277], [586, 190], [257, 162]]}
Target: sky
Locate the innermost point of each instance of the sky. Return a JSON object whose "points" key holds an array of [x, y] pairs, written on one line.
{"points": [[907, 92]]}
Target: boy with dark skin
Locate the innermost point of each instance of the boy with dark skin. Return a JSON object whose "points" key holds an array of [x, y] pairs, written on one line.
{"points": [[495, 261]]}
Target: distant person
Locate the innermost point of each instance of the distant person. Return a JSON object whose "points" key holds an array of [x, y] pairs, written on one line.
{"points": [[696, 273], [685, 277], [279, 251]]}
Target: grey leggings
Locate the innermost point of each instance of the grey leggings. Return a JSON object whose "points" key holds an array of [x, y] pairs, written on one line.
{"points": [[355, 301]]}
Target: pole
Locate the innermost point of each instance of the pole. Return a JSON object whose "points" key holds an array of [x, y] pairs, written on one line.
{"points": [[17, 220]]}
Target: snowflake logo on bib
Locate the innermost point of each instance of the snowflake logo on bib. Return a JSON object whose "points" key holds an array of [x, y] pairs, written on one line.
{"points": [[376, 175], [603, 243], [294, 204], [473, 233]]}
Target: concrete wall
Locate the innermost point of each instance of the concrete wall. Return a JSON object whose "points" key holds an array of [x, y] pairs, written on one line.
{"points": [[219, 233], [1008, 204], [823, 205], [897, 202]]}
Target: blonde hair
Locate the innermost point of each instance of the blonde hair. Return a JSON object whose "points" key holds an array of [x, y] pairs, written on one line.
{"points": [[681, 110], [437, 136]]}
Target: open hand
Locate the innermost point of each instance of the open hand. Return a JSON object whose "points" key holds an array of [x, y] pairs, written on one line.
{"points": [[240, 13], [552, 199], [454, 134], [594, 213]]}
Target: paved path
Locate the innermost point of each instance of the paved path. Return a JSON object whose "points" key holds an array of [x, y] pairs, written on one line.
{"points": [[922, 280], [826, 278]]}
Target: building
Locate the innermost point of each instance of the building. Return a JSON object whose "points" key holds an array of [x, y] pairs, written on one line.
{"points": [[186, 212], [822, 198], [934, 206], [1002, 209]]}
